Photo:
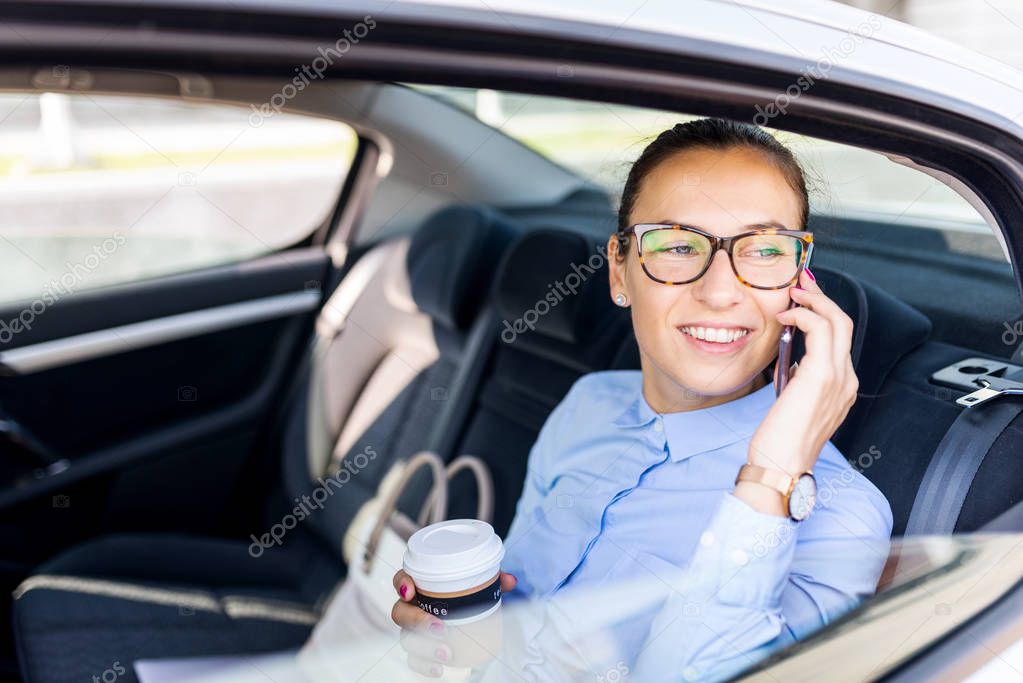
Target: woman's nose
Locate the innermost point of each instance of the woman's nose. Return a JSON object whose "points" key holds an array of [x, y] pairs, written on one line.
{"points": [[718, 287]]}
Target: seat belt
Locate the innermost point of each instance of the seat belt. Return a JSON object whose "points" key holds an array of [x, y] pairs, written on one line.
{"points": [[464, 386], [329, 324], [462, 393], [942, 493]]}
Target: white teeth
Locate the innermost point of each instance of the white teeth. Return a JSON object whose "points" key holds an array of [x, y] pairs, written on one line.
{"points": [[720, 335]]}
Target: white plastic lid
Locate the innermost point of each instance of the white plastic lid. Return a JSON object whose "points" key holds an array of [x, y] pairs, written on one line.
{"points": [[457, 548]]}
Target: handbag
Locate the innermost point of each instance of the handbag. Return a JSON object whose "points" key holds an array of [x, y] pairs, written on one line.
{"points": [[356, 638]]}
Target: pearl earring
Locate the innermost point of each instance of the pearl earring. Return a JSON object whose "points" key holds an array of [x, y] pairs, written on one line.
{"points": [[620, 299]]}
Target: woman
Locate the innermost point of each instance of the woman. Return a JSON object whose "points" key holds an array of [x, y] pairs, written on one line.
{"points": [[686, 462]]}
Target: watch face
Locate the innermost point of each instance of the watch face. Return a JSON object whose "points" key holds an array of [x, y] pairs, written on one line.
{"points": [[802, 498]]}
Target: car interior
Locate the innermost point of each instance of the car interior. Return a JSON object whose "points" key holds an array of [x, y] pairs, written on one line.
{"points": [[129, 510]]}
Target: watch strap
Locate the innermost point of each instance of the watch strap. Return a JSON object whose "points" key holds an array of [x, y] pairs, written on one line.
{"points": [[779, 481]]}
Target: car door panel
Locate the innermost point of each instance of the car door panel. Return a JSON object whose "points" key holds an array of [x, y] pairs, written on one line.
{"points": [[147, 396]]}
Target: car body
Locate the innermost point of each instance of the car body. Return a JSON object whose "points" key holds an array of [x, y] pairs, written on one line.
{"points": [[157, 401]]}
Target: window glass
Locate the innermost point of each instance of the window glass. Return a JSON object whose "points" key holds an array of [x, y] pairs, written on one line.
{"points": [[599, 142], [96, 190]]}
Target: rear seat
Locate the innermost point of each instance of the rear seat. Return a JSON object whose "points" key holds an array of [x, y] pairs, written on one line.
{"points": [[908, 421], [390, 342]]}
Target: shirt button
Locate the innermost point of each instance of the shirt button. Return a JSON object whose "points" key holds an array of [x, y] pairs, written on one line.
{"points": [[739, 557], [707, 539], [690, 673], [658, 425]]}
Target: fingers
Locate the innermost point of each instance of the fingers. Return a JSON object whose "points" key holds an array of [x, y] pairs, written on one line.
{"points": [[404, 585], [425, 667], [828, 338], [410, 616], [508, 582], [813, 297], [818, 339], [425, 648], [840, 324]]}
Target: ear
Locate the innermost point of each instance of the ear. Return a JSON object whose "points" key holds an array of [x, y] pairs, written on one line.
{"points": [[616, 267]]}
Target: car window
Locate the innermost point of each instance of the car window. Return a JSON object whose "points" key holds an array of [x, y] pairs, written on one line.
{"points": [[931, 586], [96, 190], [599, 142]]}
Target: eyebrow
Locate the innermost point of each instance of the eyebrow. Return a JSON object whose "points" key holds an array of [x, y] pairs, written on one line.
{"points": [[752, 226]]}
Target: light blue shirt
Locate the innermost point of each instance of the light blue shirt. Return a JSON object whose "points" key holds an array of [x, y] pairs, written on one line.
{"points": [[617, 492]]}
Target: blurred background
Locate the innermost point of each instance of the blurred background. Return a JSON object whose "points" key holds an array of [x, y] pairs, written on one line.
{"points": [[991, 27]]}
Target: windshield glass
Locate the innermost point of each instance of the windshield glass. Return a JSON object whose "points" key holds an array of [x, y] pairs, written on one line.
{"points": [[930, 586]]}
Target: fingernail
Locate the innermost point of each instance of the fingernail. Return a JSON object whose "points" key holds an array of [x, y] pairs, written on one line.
{"points": [[442, 654], [437, 627], [403, 591], [435, 670], [810, 273]]}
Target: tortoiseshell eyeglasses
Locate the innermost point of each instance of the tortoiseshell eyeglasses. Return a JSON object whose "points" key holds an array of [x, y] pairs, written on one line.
{"points": [[764, 258]]}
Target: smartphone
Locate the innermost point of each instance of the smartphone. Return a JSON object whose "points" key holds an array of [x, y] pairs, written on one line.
{"points": [[784, 362]]}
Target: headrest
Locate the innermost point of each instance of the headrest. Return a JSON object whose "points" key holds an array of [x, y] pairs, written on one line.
{"points": [[452, 259], [553, 282]]}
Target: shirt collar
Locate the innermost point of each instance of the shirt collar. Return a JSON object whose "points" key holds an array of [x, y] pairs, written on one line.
{"points": [[696, 431]]}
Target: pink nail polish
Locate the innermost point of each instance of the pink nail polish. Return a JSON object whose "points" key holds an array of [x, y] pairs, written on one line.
{"points": [[442, 654], [437, 627], [808, 272], [435, 670], [403, 591]]}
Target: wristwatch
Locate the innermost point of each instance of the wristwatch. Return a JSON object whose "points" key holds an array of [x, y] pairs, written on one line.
{"points": [[799, 493]]}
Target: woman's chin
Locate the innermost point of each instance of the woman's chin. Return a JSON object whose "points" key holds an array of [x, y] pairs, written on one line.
{"points": [[714, 379]]}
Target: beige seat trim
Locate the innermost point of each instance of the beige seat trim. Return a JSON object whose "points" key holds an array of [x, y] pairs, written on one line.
{"points": [[371, 343], [236, 607]]}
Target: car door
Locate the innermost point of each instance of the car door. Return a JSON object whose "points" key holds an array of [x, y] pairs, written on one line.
{"points": [[161, 262]]}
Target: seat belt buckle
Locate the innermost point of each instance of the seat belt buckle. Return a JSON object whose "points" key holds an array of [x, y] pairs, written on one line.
{"points": [[978, 397], [991, 388], [994, 378]]}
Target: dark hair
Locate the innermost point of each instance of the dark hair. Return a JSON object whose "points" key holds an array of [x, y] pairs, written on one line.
{"points": [[711, 133]]}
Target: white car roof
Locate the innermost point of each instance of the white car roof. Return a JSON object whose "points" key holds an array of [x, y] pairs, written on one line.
{"points": [[790, 35], [909, 59]]}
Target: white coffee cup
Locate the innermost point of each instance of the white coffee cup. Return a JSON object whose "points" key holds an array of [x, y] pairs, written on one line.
{"points": [[456, 566]]}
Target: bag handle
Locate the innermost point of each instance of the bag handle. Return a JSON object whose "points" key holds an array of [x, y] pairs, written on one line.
{"points": [[437, 500], [484, 489]]}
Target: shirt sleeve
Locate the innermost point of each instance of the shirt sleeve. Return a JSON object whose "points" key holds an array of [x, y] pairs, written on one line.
{"points": [[756, 582], [844, 548]]}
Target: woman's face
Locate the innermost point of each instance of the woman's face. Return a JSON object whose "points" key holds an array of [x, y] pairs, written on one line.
{"points": [[722, 192]]}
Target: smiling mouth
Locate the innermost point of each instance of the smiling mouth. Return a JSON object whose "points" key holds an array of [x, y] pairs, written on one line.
{"points": [[717, 335]]}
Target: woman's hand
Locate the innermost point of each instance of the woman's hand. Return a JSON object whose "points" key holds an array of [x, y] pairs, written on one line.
{"points": [[431, 644], [820, 392]]}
